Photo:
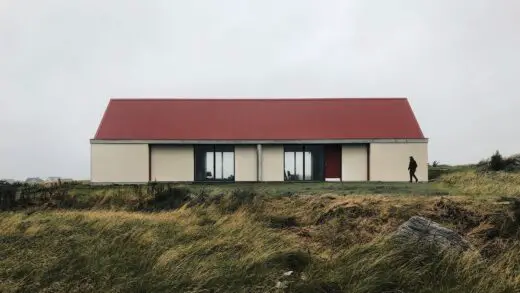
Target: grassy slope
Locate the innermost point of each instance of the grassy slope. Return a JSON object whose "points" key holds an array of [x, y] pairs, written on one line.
{"points": [[334, 242]]}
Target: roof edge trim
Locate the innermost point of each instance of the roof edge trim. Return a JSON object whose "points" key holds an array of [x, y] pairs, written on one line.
{"points": [[255, 99], [324, 141]]}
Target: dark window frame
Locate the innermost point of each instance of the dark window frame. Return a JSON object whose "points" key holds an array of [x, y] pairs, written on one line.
{"points": [[199, 155], [317, 161]]}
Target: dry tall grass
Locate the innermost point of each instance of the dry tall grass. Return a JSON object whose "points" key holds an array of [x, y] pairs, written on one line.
{"points": [[472, 182], [331, 242]]}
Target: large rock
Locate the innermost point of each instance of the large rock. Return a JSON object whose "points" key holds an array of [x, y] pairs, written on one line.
{"points": [[424, 231]]}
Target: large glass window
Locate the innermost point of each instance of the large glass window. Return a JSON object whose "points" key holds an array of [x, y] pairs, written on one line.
{"points": [[303, 162], [214, 162]]}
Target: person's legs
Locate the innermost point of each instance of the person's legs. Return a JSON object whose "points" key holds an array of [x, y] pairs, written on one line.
{"points": [[411, 175], [416, 180]]}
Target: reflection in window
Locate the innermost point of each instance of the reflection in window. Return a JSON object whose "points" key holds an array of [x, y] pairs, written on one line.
{"points": [[298, 165], [218, 165], [214, 162], [209, 165], [308, 166], [298, 159], [228, 165], [289, 165]]}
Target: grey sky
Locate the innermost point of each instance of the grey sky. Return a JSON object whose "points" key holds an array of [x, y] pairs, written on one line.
{"points": [[60, 61]]}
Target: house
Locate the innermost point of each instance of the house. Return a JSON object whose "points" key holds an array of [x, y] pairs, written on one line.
{"points": [[34, 180], [56, 179], [252, 140]]}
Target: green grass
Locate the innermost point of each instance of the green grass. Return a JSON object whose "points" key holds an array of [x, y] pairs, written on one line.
{"points": [[338, 188], [288, 189], [223, 239]]}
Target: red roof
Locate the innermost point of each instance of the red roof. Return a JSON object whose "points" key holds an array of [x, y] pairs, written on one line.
{"points": [[259, 119]]}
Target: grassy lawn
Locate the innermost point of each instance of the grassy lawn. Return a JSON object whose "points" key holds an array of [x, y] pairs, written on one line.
{"points": [[338, 188], [310, 188], [244, 237]]}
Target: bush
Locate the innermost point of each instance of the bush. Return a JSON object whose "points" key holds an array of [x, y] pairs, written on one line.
{"points": [[167, 197], [498, 163], [201, 197], [7, 196], [23, 195]]}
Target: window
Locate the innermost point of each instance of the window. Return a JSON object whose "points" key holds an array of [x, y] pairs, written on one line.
{"points": [[298, 165], [214, 163], [303, 162]]}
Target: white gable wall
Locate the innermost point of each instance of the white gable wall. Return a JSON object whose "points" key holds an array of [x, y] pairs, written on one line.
{"points": [[389, 161], [119, 163]]}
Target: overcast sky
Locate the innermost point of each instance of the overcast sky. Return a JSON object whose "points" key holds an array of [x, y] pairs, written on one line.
{"points": [[457, 61]]}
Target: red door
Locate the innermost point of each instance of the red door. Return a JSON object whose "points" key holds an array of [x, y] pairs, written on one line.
{"points": [[332, 161]]}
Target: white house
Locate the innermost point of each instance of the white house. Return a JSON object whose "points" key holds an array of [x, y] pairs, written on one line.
{"points": [[250, 140]]}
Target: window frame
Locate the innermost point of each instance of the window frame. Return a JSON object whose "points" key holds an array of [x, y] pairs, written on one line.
{"points": [[317, 161], [199, 152]]}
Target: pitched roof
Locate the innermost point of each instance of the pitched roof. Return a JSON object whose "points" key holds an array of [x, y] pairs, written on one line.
{"points": [[258, 119]]}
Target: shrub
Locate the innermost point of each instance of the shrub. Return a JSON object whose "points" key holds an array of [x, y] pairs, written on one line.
{"points": [[498, 163], [7, 195], [200, 197], [165, 196]]}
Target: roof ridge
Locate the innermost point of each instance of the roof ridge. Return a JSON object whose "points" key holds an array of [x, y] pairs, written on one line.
{"points": [[260, 99]]}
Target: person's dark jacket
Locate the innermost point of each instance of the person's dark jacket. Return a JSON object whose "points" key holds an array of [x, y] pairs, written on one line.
{"points": [[412, 166]]}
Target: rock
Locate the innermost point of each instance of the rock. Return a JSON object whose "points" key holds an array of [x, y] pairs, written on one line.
{"points": [[425, 231]]}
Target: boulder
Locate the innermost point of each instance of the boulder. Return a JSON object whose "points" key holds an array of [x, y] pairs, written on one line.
{"points": [[424, 231]]}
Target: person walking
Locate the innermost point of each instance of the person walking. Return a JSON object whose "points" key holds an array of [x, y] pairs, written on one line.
{"points": [[412, 167]]}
